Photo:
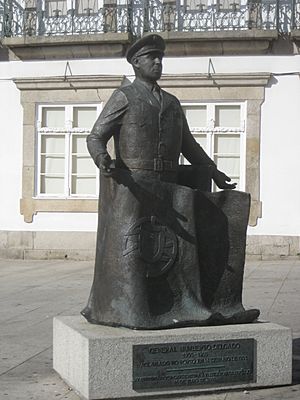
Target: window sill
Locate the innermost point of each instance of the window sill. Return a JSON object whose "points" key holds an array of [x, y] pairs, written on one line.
{"points": [[58, 197], [31, 206]]}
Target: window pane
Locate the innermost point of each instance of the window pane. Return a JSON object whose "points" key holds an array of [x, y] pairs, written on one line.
{"points": [[227, 144], [83, 186], [55, 8], [53, 144], [194, 4], [201, 139], [53, 117], [229, 165], [83, 6], [52, 165], [52, 185], [196, 116], [228, 4], [228, 116], [83, 165], [84, 117], [79, 144]]}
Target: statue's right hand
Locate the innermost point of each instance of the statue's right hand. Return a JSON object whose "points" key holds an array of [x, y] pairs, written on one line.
{"points": [[105, 164]]}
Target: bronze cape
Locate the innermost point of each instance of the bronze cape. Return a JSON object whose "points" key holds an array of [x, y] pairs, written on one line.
{"points": [[168, 254]]}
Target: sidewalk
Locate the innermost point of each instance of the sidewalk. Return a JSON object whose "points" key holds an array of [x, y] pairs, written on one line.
{"points": [[33, 292]]}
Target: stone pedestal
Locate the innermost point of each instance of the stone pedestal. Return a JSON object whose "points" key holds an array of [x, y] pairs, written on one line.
{"points": [[102, 362]]}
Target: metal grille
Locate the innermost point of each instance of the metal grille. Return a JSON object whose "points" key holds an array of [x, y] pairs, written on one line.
{"points": [[59, 17]]}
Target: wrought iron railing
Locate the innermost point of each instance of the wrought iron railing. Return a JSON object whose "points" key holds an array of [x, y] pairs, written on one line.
{"points": [[1, 17], [70, 17]]}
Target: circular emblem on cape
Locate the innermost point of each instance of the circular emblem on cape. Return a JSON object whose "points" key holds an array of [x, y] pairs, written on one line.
{"points": [[155, 244]]}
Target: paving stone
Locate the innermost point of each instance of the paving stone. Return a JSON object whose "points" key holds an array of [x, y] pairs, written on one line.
{"points": [[32, 290], [36, 380]]}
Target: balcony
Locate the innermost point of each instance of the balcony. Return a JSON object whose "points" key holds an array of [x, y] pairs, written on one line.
{"points": [[111, 21]]}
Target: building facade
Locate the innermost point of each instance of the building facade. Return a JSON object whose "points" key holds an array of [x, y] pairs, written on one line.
{"points": [[234, 65]]}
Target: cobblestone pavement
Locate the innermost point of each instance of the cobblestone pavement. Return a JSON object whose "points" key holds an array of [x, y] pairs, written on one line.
{"points": [[33, 292]]}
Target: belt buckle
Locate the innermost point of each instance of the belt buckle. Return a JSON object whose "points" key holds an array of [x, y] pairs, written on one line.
{"points": [[158, 164]]}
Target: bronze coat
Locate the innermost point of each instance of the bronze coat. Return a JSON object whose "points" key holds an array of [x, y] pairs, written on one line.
{"points": [[163, 248]]}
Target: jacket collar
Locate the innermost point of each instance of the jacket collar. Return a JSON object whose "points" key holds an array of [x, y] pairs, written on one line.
{"points": [[144, 90]]}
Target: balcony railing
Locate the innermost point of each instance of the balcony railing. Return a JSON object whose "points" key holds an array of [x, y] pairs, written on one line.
{"points": [[71, 17]]}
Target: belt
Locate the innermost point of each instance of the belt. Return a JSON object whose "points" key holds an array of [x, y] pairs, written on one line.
{"points": [[157, 164]]}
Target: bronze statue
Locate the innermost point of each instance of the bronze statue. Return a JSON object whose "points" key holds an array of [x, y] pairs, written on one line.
{"points": [[168, 254]]}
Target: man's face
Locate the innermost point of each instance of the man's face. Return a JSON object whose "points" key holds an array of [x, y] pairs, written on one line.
{"points": [[149, 66]]}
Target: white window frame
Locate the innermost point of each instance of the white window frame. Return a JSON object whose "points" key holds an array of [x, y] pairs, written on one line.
{"points": [[210, 130], [68, 131], [71, 4], [213, 3]]}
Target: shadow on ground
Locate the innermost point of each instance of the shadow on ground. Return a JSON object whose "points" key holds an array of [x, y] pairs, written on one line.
{"points": [[296, 361]]}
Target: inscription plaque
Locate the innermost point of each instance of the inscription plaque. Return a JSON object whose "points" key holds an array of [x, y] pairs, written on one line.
{"points": [[193, 363]]}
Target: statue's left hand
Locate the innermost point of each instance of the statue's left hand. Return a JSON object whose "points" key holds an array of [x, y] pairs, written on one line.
{"points": [[221, 180]]}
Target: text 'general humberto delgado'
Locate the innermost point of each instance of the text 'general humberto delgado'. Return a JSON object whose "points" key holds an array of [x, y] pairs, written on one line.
{"points": [[193, 364]]}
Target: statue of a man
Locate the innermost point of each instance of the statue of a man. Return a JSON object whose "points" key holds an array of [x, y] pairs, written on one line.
{"points": [[148, 267]]}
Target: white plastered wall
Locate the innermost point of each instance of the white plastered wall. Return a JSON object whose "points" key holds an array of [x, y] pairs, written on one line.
{"points": [[280, 138]]}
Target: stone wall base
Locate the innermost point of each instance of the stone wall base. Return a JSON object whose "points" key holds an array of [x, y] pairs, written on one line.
{"points": [[102, 362], [272, 247], [81, 246]]}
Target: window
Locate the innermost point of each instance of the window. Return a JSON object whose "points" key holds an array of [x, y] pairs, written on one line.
{"points": [[244, 91], [201, 5], [220, 130], [87, 7], [61, 8], [64, 166], [56, 8]]}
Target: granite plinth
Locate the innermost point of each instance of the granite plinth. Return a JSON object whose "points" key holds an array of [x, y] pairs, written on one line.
{"points": [[97, 361]]}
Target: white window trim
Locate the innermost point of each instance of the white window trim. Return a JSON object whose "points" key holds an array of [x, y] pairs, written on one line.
{"points": [[210, 130], [241, 87], [68, 131], [71, 4]]}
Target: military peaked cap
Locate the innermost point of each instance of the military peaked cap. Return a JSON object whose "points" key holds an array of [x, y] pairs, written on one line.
{"points": [[145, 45]]}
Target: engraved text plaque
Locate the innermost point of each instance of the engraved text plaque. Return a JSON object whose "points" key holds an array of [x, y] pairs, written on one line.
{"points": [[193, 364]]}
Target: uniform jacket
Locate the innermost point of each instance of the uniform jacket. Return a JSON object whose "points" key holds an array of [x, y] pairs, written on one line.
{"points": [[145, 129]]}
